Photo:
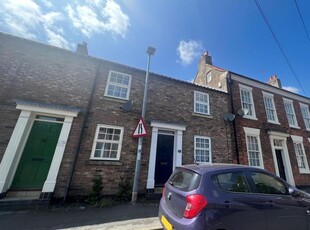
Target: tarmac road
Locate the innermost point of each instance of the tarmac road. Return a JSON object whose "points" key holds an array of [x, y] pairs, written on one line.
{"points": [[81, 216]]}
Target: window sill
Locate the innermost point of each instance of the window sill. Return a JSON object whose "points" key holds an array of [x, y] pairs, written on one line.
{"points": [[274, 122], [115, 99], [250, 118], [295, 127], [103, 162], [304, 172], [203, 115]]}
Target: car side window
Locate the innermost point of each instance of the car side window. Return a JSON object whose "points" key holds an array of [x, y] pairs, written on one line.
{"points": [[231, 182], [268, 184]]}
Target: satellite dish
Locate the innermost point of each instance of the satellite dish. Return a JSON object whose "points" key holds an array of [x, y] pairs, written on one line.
{"points": [[242, 112], [229, 117], [126, 107]]}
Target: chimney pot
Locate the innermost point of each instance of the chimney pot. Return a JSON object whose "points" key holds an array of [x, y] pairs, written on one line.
{"points": [[207, 58], [274, 81]]}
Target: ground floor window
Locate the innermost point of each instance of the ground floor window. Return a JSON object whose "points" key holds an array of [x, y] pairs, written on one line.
{"points": [[202, 149], [300, 154], [253, 147], [107, 143]]}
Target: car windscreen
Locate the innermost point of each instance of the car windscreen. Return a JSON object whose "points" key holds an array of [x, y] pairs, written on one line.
{"points": [[184, 180]]}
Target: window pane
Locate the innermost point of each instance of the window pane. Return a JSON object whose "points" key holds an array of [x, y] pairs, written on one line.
{"points": [[201, 103], [202, 150], [107, 143], [118, 85], [267, 184], [232, 182], [253, 151]]}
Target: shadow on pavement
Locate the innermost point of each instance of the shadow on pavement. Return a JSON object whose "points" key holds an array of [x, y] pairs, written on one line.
{"points": [[75, 215]]}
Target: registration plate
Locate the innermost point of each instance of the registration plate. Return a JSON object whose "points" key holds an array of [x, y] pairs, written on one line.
{"points": [[166, 223]]}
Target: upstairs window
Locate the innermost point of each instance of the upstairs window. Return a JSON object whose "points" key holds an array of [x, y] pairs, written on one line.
{"points": [[118, 85], [270, 108], [290, 113], [305, 114], [108, 142], [202, 149], [300, 154], [247, 102], [209, 76], [201, 103]]}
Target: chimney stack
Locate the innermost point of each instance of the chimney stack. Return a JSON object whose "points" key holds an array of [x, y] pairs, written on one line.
{"points": [[82, 49], [207, 58], [274, 81]]}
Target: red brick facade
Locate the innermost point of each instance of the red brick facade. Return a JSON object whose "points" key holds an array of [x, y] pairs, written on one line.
{"points": [[39, 73], [267, 132]]}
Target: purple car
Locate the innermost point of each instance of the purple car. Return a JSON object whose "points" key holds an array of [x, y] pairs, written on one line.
{"points": [[226, 196]]}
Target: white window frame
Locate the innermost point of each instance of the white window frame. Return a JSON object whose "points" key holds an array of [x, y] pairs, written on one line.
{"points": [[269, 96], [209, 76], [203, 149], [305, 115], [248, 90], [119, 142], [203, 103], [293, 114], [250, 132], [300, 154], [109, 83]]}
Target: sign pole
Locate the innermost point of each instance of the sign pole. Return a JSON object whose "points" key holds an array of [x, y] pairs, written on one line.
{"points": [[150, 51]]}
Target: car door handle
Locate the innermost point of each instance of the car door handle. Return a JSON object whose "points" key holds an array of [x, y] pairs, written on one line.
{"points": [[268, 203], [226, 204]]}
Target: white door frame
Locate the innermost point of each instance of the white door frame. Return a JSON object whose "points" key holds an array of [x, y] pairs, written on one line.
{"points": [[285, 156], [20, 135], [177, 149]]}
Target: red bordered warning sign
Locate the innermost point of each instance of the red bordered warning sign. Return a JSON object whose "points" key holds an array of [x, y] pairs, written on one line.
{"points": [[140, 129]]}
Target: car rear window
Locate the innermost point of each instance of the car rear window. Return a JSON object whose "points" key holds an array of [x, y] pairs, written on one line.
{"points": [[185, 180]]}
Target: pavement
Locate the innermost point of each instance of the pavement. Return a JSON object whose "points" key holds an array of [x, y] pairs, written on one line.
{"points": [[124, 216]]}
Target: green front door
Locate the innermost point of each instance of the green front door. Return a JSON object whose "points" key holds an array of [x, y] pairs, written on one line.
{"points": [[37, 156]]}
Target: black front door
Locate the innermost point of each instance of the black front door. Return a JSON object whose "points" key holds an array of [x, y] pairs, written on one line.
{"points": [[164, 158], [280, 164]]}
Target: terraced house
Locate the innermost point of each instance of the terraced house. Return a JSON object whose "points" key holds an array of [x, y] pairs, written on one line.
{"points": [[271, 125], [67, 117]]}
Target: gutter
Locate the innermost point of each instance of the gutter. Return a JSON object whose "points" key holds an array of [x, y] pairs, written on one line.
{"points": [[230, 82]]}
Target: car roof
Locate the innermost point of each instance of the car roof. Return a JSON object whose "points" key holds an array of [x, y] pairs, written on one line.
{"points": [[212, 167]]}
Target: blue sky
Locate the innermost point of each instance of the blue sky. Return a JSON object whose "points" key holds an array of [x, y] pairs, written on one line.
{"points": [[232, 31]]}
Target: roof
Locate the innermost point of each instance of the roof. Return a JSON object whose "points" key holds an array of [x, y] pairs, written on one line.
{"points": [[204, 168]]}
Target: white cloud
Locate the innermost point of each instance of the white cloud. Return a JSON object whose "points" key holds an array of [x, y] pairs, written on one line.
{"points": [[291, 89], [188, 51], [47, 3], [90, 19], [26, 18]]}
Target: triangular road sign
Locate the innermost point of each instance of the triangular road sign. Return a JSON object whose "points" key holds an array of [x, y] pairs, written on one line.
{"points": [[140, 129]]}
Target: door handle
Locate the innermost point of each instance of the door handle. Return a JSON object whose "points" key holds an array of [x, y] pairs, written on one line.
{"points": [[226, 204], [268, 203]]}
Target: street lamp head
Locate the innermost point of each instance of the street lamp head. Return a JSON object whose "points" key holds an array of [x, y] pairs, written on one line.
{"points": [[150, 50]]}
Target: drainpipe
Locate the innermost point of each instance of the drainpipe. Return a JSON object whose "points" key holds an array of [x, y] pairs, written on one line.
{"points": [[230, 82], [86, 114]]}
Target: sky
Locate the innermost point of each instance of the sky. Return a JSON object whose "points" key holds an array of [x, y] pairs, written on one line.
{"points": [[254, 38]]}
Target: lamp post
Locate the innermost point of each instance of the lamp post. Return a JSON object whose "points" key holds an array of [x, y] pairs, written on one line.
{"points": [[150, 51]]}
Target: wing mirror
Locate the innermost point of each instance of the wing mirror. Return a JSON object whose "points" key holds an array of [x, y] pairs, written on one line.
{"points": [[292, 191]]}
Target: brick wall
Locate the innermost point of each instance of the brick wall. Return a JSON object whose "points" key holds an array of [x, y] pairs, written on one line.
{"points": [[264, 126], [38, 72]]}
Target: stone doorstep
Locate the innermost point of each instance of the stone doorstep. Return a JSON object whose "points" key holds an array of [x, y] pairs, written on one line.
{"points": [[30, 195]]}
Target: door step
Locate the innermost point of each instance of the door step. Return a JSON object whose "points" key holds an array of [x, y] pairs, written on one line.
{"points": [[24, 195], [18, 200]]}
